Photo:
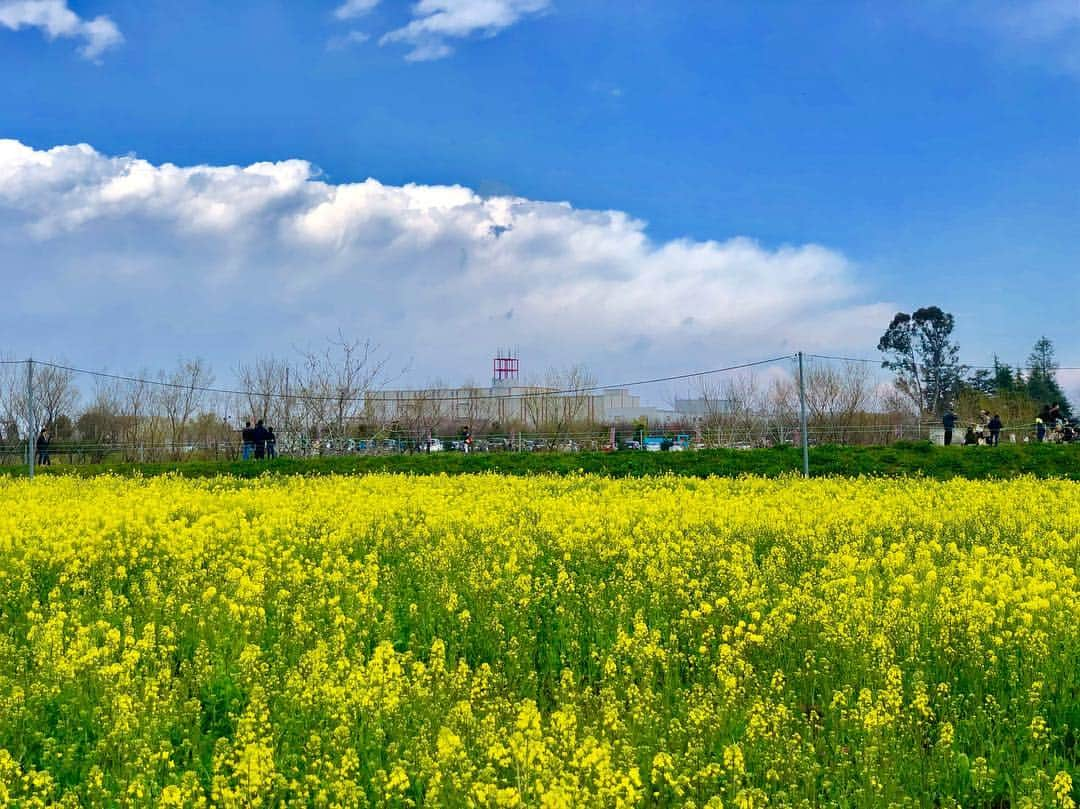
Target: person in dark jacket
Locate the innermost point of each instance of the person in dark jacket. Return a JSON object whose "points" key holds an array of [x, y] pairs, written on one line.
{"points": [[994, 426], [42, 448], [248, 439], [259, 436], [948, 421], [271, 443]]}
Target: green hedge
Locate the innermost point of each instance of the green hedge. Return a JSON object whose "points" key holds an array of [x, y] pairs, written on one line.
{"points": [[902, 458]]}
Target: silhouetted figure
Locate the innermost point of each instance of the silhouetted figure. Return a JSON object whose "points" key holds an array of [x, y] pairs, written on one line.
{"points": [[271, 443], [995, 429], [42, 448], [948, 421], [248, 438], [259, 436]]}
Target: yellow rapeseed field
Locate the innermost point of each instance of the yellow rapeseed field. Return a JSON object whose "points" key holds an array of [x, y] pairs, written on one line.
{"points": [[547, 641]]}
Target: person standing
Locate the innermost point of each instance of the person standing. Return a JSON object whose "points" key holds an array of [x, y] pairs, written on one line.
{"points": [[258, 436], [948, 421], [1040, 428], [248, 440], [994, 426], [271, 443], [42, 448]]}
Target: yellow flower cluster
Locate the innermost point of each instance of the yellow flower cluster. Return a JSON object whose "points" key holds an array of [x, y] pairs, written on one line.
{"points": [[577, 641]]}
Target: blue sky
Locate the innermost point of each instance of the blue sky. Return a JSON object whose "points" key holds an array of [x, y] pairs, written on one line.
{"points": [[934, 150]]}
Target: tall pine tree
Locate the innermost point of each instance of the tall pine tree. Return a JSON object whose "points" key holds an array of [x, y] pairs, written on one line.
{"points": [[1042, 384]]}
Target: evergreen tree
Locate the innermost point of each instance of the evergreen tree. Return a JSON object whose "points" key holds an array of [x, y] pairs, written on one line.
{"points": [[995, 381], [1004, 381], [982, 381], [1042, 384]]}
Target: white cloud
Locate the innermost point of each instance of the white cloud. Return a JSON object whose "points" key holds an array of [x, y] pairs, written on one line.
{"points": [[119, 261], [56, 20], [437, 21], [347, 40], [1043, 33], [351, 9], [1049, 28]]}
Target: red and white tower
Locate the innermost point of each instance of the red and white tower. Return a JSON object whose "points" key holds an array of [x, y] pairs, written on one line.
{"points": [[504, 369]]}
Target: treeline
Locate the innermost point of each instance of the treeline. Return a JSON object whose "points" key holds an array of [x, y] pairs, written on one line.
{"points": [[925, 359], [179, 412]]}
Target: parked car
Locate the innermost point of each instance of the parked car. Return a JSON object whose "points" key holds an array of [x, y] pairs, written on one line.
{"points": [[430, 445], [632, 444]]}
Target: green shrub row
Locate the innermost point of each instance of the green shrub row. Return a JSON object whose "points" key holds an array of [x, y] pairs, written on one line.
{"points": [[902, 458]]}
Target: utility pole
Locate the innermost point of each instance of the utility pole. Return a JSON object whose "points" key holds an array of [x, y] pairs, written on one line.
{"points": [[802, 421], [287, 403], [31, 426]]}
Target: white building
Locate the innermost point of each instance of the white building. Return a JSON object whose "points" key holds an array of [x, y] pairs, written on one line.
{"points": [[529, 406], [506, 402]]}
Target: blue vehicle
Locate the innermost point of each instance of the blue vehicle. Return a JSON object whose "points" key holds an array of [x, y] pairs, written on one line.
{"points": [[654, 443]]}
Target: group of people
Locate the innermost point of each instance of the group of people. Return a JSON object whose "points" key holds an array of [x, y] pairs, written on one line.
{"points": [[986, 431], [258, 442], [1051, 425]]}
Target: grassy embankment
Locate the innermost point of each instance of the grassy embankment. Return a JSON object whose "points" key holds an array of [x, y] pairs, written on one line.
{"points": [[902, 458]]}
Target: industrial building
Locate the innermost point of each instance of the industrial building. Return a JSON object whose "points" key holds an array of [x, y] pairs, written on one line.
{"points": [[509, 402]]}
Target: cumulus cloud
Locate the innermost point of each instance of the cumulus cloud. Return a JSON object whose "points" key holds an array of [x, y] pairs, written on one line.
{"points": [[57, 20], [435, 22], [123, 257]]}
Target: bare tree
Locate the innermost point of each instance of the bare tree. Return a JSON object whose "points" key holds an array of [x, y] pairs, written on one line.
{"points": [[715, 408], [844, 404], [101, 424], [182, 394], [422, 413], [332, 383], [13, 407], [264, 383], [55, 394], [836, 397], [136, 410], [743, 423], [563, 401]]}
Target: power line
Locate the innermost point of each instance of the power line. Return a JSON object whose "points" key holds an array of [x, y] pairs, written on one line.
{"points": [[535, 394], [965, 365]]}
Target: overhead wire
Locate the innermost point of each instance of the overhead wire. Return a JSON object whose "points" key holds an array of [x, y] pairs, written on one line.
{"points": [[531, 394], [964, 365]]}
